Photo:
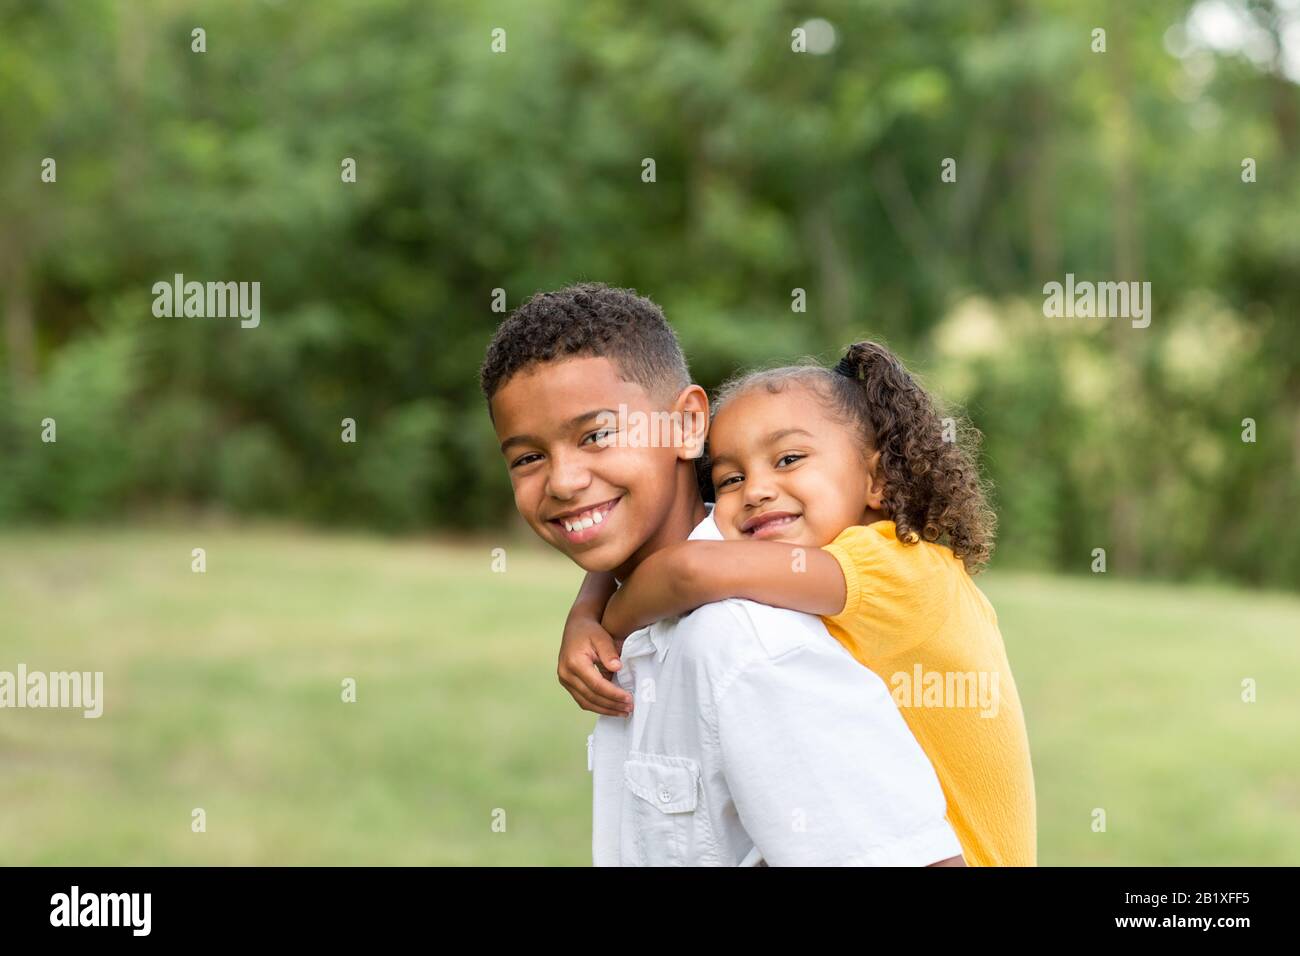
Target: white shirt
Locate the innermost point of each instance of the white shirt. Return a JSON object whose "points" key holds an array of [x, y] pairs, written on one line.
{"points": [[756, 738]]}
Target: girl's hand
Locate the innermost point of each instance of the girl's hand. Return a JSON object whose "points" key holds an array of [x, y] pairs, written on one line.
{"points": [[587, 658]]}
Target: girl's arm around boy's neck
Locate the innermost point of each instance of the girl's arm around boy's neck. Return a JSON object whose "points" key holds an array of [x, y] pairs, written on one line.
{"points": [[684, 576]]}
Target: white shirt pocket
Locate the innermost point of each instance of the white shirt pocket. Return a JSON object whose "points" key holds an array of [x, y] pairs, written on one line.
{"points": [[662, 817]]}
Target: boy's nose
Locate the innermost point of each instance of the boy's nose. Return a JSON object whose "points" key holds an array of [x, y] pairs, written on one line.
{"points": [[567, 478]]}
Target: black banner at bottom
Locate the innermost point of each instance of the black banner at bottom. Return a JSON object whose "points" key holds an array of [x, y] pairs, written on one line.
{"points": [[337, 905]]}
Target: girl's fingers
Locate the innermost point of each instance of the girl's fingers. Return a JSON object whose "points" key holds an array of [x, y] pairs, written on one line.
{"points": [[602, 646], [609, 694], [596, 707], [588, 675], [619, 706], [593, 693]]}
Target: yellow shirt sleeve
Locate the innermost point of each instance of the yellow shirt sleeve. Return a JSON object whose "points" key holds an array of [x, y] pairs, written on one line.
{"points": [[897, 595]]}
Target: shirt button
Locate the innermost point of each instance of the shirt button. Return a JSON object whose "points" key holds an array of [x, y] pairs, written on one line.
{"points": [[664, 795]]}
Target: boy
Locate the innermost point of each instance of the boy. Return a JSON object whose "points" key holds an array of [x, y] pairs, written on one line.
{"points": [[758, 739]]}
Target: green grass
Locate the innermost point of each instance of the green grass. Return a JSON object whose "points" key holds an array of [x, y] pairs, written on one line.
{"points": [[223, 691]]}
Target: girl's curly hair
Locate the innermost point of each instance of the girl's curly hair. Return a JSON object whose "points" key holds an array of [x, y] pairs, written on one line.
{"points": [[933, 489]]}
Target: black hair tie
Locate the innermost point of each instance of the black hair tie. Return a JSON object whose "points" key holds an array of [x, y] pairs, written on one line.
{"points": [[846, 368]]}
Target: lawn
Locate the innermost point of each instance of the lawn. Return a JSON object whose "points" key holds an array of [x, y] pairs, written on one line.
{"points": [[223, 691]]}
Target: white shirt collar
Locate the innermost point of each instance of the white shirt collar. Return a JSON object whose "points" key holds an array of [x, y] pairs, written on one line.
{"points": [[706, 530]]}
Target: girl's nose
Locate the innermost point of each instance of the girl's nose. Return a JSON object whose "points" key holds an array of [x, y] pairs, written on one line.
{"points": [[758, 491]]}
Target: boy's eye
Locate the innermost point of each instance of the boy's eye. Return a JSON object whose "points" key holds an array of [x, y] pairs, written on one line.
{"points": [[601, 437], [788, 458], [525, 460], [729, 480]]}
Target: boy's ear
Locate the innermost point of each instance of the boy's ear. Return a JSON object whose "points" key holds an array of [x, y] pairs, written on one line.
{"points": [[691, 409], [875, 483]]}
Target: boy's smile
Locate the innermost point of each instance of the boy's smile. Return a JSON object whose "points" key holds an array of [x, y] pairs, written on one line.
{"points": [[582, 525], [605, 501]]}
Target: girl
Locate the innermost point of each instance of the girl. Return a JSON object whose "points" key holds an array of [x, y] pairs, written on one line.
{"points": [[841, 493]]}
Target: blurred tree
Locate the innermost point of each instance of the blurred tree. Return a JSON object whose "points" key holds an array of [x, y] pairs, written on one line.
{"points": [[776, 170]]}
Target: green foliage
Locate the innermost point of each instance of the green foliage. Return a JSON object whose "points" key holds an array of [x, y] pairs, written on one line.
{"points": [[86, 469], [401, 475], [521, 171]]}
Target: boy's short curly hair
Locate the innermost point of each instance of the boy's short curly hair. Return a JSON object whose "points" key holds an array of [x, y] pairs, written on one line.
{"points": [[589, 319]]}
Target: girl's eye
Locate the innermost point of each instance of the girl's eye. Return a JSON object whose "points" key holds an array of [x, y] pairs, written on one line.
{"points": [[600, 438], [790, 458], [524, 460], [730, 479]]}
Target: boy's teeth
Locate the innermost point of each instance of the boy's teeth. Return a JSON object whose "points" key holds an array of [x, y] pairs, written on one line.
{"points": [[591, 519]]}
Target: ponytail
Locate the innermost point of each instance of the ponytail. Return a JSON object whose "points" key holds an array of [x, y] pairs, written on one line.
{"points": [[933, 490]]}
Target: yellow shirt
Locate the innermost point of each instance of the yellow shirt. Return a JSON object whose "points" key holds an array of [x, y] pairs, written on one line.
{"points": [[914, 616]]}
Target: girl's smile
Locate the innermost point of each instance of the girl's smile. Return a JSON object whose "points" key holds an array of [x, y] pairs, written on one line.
{"points": [[769, 524], [786, 469]]}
